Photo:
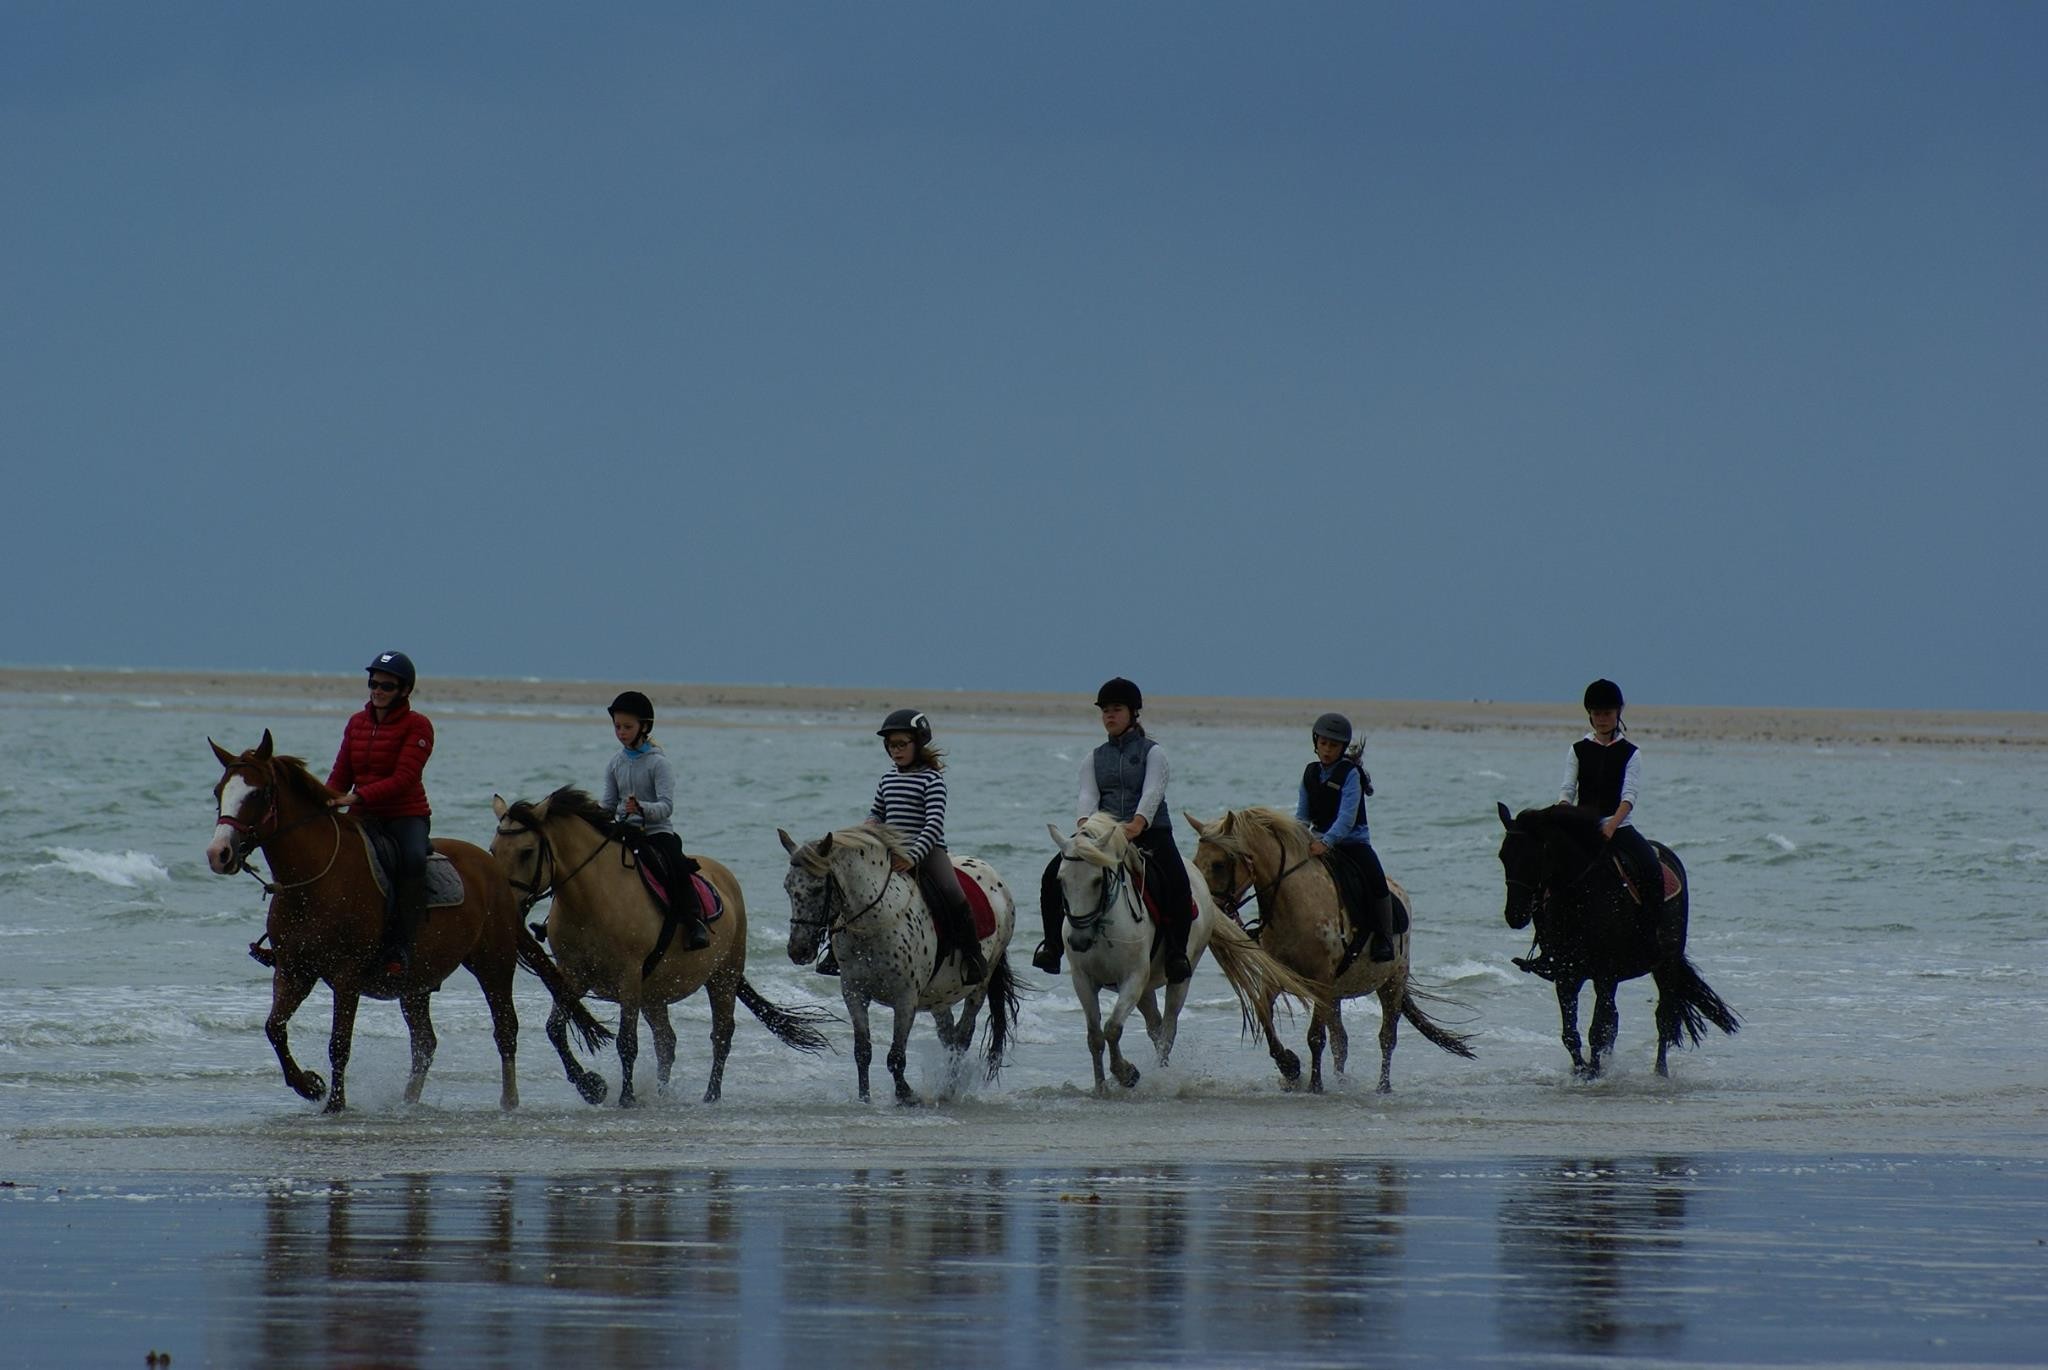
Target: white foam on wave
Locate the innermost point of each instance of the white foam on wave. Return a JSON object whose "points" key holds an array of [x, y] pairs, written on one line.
{"points": [[1489, 775], [1781, 842], [128, 869]]}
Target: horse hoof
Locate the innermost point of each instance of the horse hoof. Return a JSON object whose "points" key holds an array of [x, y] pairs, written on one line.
{"points": [[907, 1099], [593, 1088], [1290, 1066], [333, 1106], [310, 1086], [1128, 1077], [711, 1096]]}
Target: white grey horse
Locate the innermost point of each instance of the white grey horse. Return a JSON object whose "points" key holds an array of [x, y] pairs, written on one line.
{"points": [[1113, 947], [843, 886]]}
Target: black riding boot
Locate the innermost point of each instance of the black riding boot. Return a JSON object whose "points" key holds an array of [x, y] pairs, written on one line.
{"points": [[1052, 910], [408, 912], [1380, 942], [689, 914], [1665, 920], [1176, 934], [973, 965]]}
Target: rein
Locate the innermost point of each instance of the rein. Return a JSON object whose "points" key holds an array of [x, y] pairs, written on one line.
{"points": [[1113, 886], [535, 893], [257, 842]]}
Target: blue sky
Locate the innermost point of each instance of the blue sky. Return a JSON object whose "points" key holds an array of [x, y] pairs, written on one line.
{"points": [[1407, 351]]}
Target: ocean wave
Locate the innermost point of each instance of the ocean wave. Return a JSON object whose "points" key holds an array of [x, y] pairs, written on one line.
{"points": [[128, 869]]}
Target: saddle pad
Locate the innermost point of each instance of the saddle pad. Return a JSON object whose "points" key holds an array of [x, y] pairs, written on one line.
{"points": [[444, 882], [977, 904], [707, 898], [1673, 886]]}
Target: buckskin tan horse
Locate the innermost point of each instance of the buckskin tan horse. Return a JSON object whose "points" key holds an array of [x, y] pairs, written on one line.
{"points": [[327, 916], [1263, 853], [604, 923]]}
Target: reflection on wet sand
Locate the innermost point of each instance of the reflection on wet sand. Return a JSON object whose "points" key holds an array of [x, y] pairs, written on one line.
{"points": [[1588, 1249]]}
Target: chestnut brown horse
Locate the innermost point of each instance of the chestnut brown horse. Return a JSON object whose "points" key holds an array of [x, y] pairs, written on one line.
{"points": [[327, 917], [1263, 853]]}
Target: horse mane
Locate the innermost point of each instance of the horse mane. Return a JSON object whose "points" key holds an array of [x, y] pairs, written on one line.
{"points": [[293, 773], [867, 838], [568, 802], [1228, 833], [1104, 844], [1567, 822]]}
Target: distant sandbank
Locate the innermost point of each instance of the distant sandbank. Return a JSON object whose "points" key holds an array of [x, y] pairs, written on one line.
{"points": [[448, 695]]}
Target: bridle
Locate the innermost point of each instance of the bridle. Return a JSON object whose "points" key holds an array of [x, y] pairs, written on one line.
{"points": [[248, 837], [1261, 895], [546, 860], [1114, 882], [834, 888]]}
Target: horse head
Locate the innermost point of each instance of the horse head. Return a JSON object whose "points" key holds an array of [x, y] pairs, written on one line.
{"points": [[810, 867], [1096, 869], [245, 804], [1525, 862], [1247, 852], [520, 847]]}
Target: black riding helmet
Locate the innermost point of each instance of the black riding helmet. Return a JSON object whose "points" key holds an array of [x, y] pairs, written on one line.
{"points": [[910, 721], [1117, 690], [398, 664], [1336, 727], [633, 704], [1603, 694]]}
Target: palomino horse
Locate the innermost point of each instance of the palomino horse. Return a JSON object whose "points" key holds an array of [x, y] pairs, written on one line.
{"points": [[1113, 947], [327, 916], [604, 923], [1561, 875], [1263, 854], [844, 886]]}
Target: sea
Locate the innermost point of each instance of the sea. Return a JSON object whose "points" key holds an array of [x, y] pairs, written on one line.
{"points": [[1859, 1177]]}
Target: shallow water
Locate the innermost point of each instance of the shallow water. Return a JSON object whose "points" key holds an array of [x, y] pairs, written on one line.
{"points": [[1856, 1175]]}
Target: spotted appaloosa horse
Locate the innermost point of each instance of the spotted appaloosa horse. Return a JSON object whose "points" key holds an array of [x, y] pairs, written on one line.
{"points": [[1113, 945], [843, 886], [1263, 853], [1561, 875], [603, 924], [327, 918]]}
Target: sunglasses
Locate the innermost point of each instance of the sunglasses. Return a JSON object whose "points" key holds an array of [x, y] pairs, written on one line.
{"points": [[384, 687], [899, 744]]}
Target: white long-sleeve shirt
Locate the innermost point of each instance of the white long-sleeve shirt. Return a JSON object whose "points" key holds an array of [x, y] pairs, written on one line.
{"points": [[1630, 774]]}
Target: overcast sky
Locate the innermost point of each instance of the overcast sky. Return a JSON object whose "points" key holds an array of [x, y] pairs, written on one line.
{"points": [[1352, 350]]}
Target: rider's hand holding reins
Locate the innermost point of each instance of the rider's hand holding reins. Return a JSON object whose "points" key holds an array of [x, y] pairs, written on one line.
{"points": [[345, 801]]}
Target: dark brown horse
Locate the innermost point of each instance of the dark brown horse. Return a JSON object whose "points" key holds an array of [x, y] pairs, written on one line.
{"points": [[327, 916]]}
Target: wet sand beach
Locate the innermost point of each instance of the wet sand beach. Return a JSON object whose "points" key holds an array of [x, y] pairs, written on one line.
{"points": [[449, 696]]}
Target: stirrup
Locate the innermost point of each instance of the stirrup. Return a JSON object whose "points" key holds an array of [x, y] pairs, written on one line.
{"points": [[1047, 959], [827, 966], [696, 936], [1379, 947], [1543, 967], [1178, 969]]}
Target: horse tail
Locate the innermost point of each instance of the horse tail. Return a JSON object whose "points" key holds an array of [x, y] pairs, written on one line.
{"points": [[1457, 1043], [535, 958], [793, 1027], [1256, 977], [1686, 1005], [1002, 1013]]}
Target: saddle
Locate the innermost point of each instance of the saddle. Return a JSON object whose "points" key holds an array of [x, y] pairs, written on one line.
{"points": [[444, 882], [1152, 905], [707, 897], [1673, 886]]}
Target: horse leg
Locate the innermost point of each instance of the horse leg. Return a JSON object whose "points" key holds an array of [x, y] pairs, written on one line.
{"points": [[1318, 1031], [629, 1051], [505, 1034], [339, 1042], [863, 1044], [1340, 1040], [904, 1018], [721, 992], [1155, 1022], [1113, 1030], [1091, 1008], [1606, 1022], [1169, 1027], [1391, 994], [664, 1033], [1568, 1020], [287, 992], [588, 1083], [420, 1023], [1284, 1059]]}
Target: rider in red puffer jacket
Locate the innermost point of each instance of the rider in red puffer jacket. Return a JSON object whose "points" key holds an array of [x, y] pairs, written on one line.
{"points": [[384, 750]]}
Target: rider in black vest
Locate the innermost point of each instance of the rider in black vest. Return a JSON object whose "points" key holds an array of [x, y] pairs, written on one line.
{"points": [[1602, 776], [1113, 782], [1332, 802]]}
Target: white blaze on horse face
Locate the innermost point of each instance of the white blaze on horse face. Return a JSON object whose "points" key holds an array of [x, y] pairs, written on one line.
{"points": [[234, 793]]}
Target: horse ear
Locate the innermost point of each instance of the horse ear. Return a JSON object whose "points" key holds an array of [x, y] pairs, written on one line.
{"points": [[825, 847], [1507, 820], [499, 806], [1065, 844], [226, 758], [264, 748], [1201, 828], [788, 842]]}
